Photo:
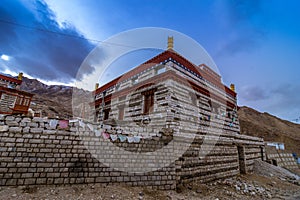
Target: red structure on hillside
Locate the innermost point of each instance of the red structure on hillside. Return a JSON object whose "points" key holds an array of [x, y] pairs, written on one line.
{"points": [[12, 99]]}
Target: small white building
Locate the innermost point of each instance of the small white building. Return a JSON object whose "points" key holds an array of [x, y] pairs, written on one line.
{"points": [[277, 145]]}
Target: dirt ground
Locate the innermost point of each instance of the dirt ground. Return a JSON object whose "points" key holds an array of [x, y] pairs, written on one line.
{"points": [[267, 182]]}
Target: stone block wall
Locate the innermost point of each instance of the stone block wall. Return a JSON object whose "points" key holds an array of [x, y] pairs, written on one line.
{"points": [[281, 158], [33, 153]]}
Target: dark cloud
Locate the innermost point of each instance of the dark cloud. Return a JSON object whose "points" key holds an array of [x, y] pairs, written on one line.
{"points": [[41, 54], [279, 100], [288, 94]]}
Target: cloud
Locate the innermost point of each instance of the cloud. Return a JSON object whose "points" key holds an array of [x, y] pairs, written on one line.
{"points": [[253, 93], [54, 55], [279, 100]]}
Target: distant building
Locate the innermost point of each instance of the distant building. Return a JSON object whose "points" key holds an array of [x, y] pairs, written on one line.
{"points": [[168, 91], [12, 99], [277, 145]]}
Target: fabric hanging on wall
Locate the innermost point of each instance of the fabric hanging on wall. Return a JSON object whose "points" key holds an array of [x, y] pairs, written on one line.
{"points": [[122, 138], [90, 126], [113, 137], [97, 133], [105, 135], [63, 124], [53, 123], [130, 139], [137, 139], [81, 124]]}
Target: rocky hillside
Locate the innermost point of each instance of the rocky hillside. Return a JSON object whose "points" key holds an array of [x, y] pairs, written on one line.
{"points": [[56, 100], [270, 128], [51, 100]]}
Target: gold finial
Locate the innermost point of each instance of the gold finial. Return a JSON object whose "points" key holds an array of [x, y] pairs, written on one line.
{"points": [[96, 86], [232, 87], [170, 42], [20, 76]]}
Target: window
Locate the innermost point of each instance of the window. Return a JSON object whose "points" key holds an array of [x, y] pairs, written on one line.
{"points": [[194, 99], [122, 98], [25, 102], [106, 114], [107, 103], [121, 112], [135, 80], [148, 101], [20, 100], [160, 69]]}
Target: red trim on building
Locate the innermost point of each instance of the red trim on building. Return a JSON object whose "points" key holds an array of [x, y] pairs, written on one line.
{"points": [[14, 91], [10, 79], [162, 77], [18, 108], [160, 58]]}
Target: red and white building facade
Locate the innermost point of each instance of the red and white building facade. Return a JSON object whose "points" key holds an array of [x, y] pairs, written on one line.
{"points": [[168, 91], [12, 99]]}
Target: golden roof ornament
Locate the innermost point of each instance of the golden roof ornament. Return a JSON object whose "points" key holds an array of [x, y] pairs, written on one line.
{"points": [[20, 76], [170, 42], [232, 87]]}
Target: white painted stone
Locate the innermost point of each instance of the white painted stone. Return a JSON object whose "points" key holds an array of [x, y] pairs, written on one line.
{"points": [[37, 119], [4, 128], [36, 130], [15, 129], [26, 119], [12, 123], [10, 118]]}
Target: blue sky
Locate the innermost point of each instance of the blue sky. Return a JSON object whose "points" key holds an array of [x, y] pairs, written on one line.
{"points": [[255, 44]]}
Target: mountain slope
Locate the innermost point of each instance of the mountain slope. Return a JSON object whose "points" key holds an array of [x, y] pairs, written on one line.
{"points": [[270, 128], [51, 100]]}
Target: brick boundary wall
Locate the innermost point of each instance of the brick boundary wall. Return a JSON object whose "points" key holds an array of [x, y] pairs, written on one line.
{"points": [[33, 153], [281, 158]]}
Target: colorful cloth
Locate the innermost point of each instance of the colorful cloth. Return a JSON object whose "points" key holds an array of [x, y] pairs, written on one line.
{"points": [[81, 124], [63, 124], [122, 138], [113, 137], [90, 126], [137, 139], [105, 135], [53, 123], [130, 139], [97, 133]]}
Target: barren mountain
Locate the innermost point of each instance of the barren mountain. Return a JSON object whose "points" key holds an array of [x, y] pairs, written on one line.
{"points": [[56, 100], [51, 100], [270, 128]]}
